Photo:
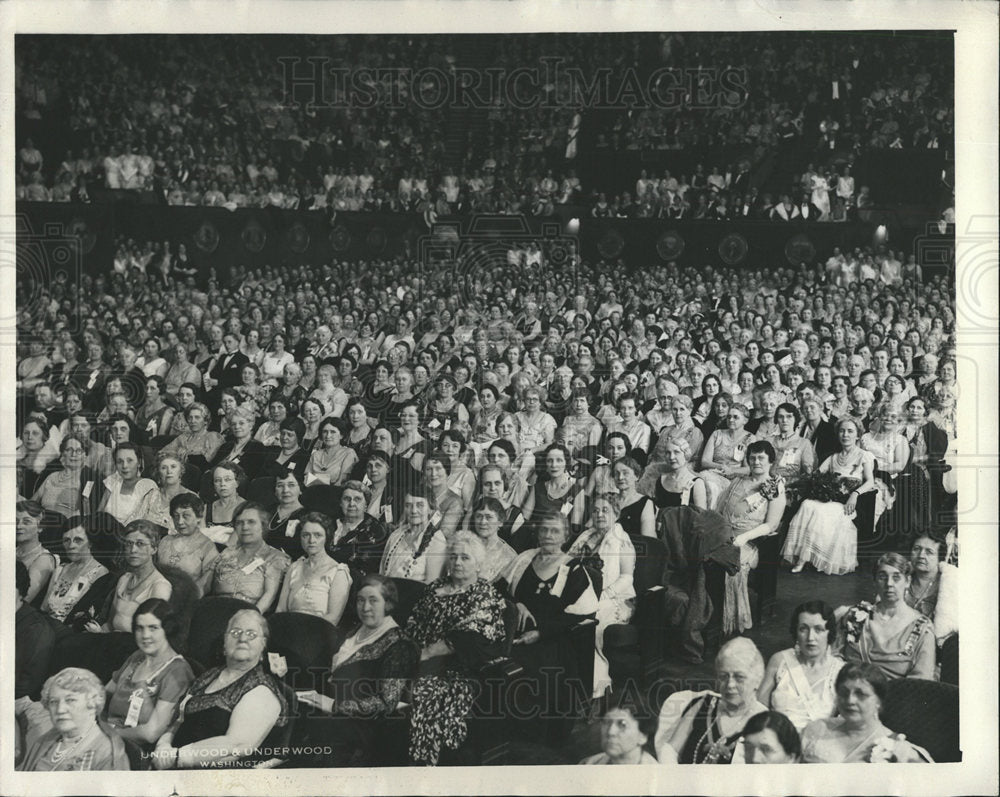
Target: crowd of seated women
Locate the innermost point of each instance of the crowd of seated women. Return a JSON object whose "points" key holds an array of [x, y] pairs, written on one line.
{"points": [[449, 487]]}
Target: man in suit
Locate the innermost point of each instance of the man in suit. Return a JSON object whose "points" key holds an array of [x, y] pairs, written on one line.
{"points": [[226, 369]]}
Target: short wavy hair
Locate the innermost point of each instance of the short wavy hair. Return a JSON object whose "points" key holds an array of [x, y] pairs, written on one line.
{"points": [[79, 681]]}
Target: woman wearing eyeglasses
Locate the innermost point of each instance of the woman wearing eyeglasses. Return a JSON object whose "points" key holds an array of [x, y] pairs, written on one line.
{"points": [[250, 570], [231, 710], [140, 581]]}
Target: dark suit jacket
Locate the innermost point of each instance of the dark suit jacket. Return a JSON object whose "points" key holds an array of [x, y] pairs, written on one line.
{"points": [[229, 369], [824, 440]]}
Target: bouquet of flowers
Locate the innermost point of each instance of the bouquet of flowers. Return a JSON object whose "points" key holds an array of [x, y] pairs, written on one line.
{"points": [[819, 486]]}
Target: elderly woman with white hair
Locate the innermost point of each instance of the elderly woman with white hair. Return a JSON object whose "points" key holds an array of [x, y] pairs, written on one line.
{"points": [[705, 727], [230, 711], [70, 737], [458, 624]]}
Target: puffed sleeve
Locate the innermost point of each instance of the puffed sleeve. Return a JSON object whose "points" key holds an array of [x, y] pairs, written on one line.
{"points": [[175, 681]]}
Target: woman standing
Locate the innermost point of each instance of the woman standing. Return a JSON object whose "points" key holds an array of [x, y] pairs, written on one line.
{"points": [[607, 539], [752, 505], [825, 533], [800, 681], [316, 584]]}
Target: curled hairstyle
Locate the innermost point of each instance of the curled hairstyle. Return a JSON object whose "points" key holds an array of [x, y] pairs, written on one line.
{"points": [[77, 680], [814, 607], [162, 611]]}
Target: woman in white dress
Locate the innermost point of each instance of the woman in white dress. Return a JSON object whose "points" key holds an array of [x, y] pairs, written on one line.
{"points": [[608, 540], [823, 533], [800, 682]]}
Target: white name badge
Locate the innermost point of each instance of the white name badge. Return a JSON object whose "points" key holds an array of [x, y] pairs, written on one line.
{"points": [[434, 423], [88, 488], [134, 708], [408, 454], [435, 518], [567, 507], [447, 424], [366, 481], [151, 426], [278, 665], [789, 457], [387, 513], [739, 453], [686, 497], [291, 527], [252, 566], [93, 379]]}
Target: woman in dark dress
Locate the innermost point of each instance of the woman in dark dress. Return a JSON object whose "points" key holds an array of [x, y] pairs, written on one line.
{"points": [[704, 728], [458, 624], [636, 512], [673, 487], [232, 713], [367, 677], [553, 593]]}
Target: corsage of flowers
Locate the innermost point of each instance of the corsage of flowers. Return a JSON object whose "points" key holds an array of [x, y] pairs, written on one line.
{"points": [[855, 620], [884, 751]]}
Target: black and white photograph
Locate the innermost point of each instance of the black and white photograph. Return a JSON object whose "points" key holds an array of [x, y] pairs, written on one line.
{"points": [[462, 398]]}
